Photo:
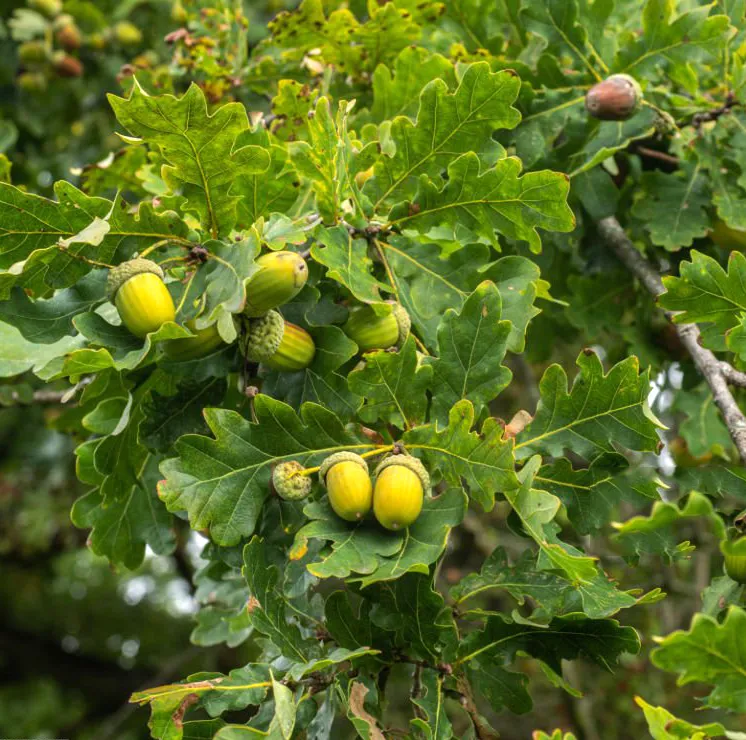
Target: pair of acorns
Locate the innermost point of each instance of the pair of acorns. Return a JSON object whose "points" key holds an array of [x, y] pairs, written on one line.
{"points": [[144, 303], [402, 483]]}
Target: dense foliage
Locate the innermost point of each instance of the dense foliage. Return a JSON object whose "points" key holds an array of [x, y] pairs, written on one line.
{"points": [[577, 437]]}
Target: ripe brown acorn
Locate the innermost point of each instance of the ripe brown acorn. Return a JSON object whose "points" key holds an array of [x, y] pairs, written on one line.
{"points": [[617, 98], [67, 66]]}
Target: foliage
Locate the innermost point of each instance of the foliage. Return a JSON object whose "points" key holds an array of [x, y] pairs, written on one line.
{"points": [[438, 155]]}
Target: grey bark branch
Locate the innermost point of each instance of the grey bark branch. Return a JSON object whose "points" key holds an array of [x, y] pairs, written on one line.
{"points": [[708, 365]]}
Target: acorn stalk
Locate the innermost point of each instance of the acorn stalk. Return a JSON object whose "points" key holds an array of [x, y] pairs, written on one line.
{"points": [[142, 299], [280, 278], [370, 331], [345, 475]]}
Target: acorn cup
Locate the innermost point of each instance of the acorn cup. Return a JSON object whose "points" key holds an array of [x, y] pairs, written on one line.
{"points": [[617, 98], [345, 475], [735, 559], [280, 278], [277, 344], [288, 482], [142, 299], [401, 485], [204, 342], [370, 331]]}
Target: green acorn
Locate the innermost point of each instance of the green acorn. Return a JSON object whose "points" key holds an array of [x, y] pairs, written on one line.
{"points": [[32, 52], [142, 299], [127, 34], [345, 475], [32, 82], [288, 483], [204, 342], [735, 559], [280, 278], [370, 331], [402, 482], [49, 8], [277, 343], [617, 98]]}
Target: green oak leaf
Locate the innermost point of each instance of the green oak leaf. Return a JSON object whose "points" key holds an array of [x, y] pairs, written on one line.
{"points": [[496, 201], [673, 207], [484, 460], [416, 613], [267, 606], [199, 149], [394, 386], [471, 347], [52, 243], [665, 726], [705, 292], [448, 124], [703, 428], [17, 354], [348, 263], [658, 533], [710, 652], [593, 495], [600, 408], [432, 722], [223, 482]]}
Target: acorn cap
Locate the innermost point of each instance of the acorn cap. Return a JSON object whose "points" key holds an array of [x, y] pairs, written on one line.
{"points": [[407, 461], [404, 322], [120, 274], [339, 457], [288, 484], [265, 335]]}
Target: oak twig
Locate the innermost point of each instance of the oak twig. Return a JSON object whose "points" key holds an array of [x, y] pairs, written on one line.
{"points": [[708, 365]]}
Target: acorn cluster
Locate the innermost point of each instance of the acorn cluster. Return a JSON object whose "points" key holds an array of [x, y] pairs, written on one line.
{"points": [[401, 485], [56, 53]]}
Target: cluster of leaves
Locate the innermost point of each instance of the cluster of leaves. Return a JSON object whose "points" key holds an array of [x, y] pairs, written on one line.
{"points": [[414, 154]]}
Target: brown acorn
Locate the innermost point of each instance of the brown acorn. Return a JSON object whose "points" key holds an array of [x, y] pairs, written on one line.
{"points": [[67, 66], [617, 98], [68, 37]]}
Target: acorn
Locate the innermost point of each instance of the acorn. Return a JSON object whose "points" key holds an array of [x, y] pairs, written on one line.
{"points": [[288, 482], [277, 343], [204, 342], [735, 559], [96, 40], [67, 66], [370, 331], [280, 278], [49, 8], [127, 34], [617, 98], [178, 12], [401, 485], [142, 299], [32, 82], [68, 37], [32, 52], [345, 475]]}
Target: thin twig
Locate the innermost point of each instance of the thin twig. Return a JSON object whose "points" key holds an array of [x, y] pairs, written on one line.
{"points": [[707, 364]]}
